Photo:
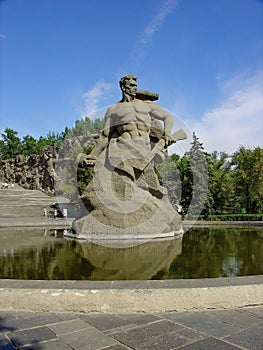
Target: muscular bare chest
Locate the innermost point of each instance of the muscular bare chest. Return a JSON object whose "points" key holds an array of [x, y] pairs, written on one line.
{"points": [[130, 112]]}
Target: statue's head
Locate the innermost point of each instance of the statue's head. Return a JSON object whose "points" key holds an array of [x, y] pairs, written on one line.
{"points": [[128, 85]]}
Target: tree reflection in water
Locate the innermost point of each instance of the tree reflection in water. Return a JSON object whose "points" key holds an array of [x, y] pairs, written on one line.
{"points": [[200, 253], [219, 252]]}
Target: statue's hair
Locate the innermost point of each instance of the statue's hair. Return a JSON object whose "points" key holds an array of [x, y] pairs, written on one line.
{"points": [[124, 79]]}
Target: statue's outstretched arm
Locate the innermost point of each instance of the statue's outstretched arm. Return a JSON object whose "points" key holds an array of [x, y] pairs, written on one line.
{"points": [[101, 143]]}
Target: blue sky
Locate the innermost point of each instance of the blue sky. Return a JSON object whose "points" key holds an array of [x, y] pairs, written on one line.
{"points": [[62, 59]]}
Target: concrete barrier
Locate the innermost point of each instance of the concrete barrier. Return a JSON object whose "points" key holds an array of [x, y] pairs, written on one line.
{"points": [[131, 296]]}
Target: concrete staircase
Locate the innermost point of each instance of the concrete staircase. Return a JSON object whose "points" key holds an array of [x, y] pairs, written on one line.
{"points": [[17, 202]]}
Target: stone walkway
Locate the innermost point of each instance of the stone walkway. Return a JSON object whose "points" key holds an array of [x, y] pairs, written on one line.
{"points": [[207, 330]]}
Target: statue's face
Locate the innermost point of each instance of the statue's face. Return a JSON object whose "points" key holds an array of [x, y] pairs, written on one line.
{"points": [[130, 87]]}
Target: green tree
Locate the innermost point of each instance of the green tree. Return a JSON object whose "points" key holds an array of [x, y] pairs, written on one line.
{"points": [[186, 176], [84, 126], [10, 145], [221, 186], [52, 138], [98, 124], [65, 132], [201, 200], [187, 180], [248, 178], [29, 145]]}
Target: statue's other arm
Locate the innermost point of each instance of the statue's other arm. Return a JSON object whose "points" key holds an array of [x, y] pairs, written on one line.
{"points": [[160, 114]]}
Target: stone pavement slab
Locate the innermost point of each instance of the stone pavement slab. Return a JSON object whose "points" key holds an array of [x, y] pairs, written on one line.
{"points": [[50, 345], [210, 344], [105, 322], [250, 338], [28, 322], [138, 337], [161, 340], [204, 322], [5, 343], [68, 326], [239, 317], [89, 338], [31, 336], [213, 329]]}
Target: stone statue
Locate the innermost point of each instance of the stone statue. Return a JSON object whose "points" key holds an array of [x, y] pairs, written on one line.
{"points": [[125, 198], [35, 171]]}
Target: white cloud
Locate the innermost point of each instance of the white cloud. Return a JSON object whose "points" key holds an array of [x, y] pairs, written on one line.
{"points": [[94, 96], [239, 118], [157, 20], [2, 36], [152, 27]]}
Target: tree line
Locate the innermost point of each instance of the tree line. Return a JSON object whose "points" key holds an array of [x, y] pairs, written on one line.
{"points": [[198, 183], [11, 144], [215, 183]]}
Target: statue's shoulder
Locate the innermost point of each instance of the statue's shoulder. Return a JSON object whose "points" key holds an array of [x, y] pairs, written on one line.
{"points": [[112, 108]]}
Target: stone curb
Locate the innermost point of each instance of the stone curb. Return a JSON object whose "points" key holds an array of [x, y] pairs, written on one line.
{"points": [[189, 223], [131, 296], [6, 222]]}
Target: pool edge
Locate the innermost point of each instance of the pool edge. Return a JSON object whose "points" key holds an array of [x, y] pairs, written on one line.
{"points": [[115, 297]]}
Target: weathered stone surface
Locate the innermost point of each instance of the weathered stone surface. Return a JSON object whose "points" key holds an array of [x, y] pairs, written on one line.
{"points": [[129, 327], [128, 300], [125, 198], [42, 172], [146, 95], [35, 172]]}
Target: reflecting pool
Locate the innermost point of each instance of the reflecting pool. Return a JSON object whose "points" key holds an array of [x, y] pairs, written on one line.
{"points": [[199, 253]]}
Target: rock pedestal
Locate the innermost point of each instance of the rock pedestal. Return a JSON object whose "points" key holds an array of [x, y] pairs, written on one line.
{"points": [[120, 207]]}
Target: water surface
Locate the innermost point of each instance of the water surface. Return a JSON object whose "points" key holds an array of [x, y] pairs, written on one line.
{"points": [[200, 253]]}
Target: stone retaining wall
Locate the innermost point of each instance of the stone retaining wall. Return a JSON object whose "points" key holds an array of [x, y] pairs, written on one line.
{"points": [[131, 296], [38, 172]]}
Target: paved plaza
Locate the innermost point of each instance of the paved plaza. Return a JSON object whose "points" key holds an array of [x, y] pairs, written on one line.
{"points": [[213, 329]]}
